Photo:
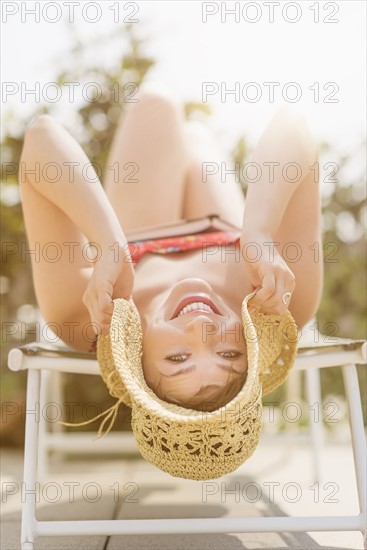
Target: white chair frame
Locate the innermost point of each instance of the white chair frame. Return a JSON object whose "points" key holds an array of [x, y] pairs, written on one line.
{"points": [[345, 354]]}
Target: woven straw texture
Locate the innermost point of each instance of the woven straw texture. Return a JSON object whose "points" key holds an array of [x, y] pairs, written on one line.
{"points": [[184, 442]]}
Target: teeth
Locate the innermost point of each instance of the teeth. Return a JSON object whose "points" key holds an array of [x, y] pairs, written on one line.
{"points": [[194, 306]]}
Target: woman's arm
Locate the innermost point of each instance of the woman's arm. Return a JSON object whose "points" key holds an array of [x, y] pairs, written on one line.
{"points": [[281, 162], [60, 171]]}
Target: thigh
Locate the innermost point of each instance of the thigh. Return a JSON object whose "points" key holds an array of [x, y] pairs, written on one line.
{"points": [[147, 163], [210, 188], [60, 267]]}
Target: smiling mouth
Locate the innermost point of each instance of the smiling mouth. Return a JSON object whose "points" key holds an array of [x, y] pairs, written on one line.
{"points": [[195, 304]]}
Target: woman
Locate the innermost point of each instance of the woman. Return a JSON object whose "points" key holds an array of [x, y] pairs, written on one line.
{"points": [[278, 224]]}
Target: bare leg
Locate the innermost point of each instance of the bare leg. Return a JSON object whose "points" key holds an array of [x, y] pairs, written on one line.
{"points": [[205, 193], [148, 147], [59, 285], [168, 154]]}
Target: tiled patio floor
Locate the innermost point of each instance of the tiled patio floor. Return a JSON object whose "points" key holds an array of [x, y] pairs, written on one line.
{"points": [[132, 488]]}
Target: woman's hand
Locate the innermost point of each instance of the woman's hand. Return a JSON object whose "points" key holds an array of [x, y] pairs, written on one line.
{"points": [[113, 277], [267, 271]]}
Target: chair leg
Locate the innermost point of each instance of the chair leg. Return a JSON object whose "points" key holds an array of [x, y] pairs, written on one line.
{"points": [[51, 395], [293, 390], [313, 388], [352, 391], [29, 494], [43, 454]]}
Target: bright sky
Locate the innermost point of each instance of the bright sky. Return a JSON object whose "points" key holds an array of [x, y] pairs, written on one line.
{"points": [[328, 56]]}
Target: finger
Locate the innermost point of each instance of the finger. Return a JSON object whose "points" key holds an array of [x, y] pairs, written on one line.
{"points": [[266, 291], [103, 326], [275, 304], [104, 314], [94, 318], [105, 303], [281, 299], [98, 318]]}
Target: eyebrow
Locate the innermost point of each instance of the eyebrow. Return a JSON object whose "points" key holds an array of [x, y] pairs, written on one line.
{"points": [[189, 369]]}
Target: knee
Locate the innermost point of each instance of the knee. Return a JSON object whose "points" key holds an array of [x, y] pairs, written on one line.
{"points": [[157, 98], [292, 121], [40, 122], [36, 130], [292, 126], [35, 135], [158, 93]]}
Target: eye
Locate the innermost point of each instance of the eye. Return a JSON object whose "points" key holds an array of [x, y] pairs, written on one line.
{"points": [[180, 358], [233, 354], [174, 359]]}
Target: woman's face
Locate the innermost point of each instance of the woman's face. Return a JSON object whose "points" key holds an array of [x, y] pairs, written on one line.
{"points": [[185, 351]]}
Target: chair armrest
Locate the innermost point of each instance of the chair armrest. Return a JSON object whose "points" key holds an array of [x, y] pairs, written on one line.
{"points": [[52, 357]]}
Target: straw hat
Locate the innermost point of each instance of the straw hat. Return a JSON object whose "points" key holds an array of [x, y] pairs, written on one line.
{"points": [[184, 442]]}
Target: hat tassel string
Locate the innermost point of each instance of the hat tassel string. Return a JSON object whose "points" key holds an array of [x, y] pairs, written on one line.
{"points": [[110, 414]]}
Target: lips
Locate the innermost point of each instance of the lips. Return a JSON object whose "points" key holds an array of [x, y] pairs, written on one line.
{"points": [[195, 298]]}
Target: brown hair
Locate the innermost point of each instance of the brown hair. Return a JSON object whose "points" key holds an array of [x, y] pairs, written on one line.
{"points": [[209, 397]]}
